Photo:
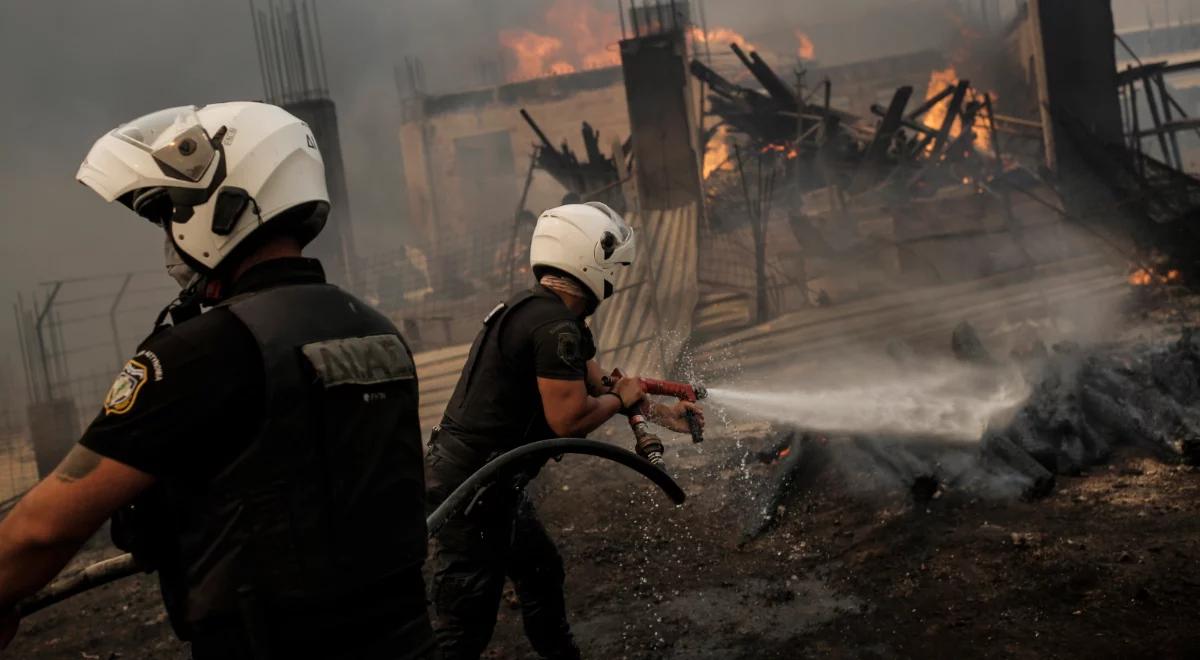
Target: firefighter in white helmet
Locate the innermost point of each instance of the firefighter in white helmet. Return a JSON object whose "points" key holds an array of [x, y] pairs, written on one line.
{"points": [[531, 375], [247, 436]]}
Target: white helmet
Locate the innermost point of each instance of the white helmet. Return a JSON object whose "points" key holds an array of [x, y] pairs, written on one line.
{"points": [[212, 175], [586, 241]]}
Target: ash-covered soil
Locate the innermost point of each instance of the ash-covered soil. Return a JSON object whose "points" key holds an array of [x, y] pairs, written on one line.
{"points": [[1106, 566]]}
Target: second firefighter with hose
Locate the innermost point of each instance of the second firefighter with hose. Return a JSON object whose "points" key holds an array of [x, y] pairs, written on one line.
{"points": [[531, 375]]}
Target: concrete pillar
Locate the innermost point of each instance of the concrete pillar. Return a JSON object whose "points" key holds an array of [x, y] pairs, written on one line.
{"points": [[335, 245], [662, 120], [1075, 65]]}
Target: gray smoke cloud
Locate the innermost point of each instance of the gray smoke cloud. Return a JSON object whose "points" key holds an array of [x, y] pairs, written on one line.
{"points": [[73, 69]]}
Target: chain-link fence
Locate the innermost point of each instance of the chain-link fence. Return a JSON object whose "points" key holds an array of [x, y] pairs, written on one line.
{"points": [[437, 296], [18, 469], [729, 264]]}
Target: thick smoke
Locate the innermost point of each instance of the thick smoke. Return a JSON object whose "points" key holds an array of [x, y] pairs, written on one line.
{"points": [[75, 69]]}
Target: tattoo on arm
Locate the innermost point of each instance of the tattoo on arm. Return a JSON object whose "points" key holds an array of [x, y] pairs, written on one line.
{"points": [[79, 463]]}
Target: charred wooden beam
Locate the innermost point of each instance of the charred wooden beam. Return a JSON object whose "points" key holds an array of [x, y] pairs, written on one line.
{"points": [[1004, 456], [766, 77], [721, 86], [1152, 103], [802, 456], [991, 117], [594, 176], [1169, 119], [952, 114], [964, 144], [591, 144], [868, 169], [930, 102], [880, 111], [1170, 127], [741, 55], [537, 130], [771, 82]]}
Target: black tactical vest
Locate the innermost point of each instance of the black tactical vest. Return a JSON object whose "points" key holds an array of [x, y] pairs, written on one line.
{"points": [[496, 405], [326, 503]]}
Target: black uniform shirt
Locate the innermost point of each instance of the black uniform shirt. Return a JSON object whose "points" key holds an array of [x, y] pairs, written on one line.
{"points": [[540, 338], [191, 398]]}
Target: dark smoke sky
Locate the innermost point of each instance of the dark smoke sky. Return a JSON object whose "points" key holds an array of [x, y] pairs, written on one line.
{"points": [[73, 69]]}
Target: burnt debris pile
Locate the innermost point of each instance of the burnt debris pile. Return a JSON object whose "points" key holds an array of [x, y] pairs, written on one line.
{"points": [[1084, 403]]}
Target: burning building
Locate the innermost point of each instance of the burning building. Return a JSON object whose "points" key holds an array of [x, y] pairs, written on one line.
{"points": [[466, 153]]}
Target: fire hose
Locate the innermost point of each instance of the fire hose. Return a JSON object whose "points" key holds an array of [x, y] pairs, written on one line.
{"points": [[649, 445], [122, 566]]}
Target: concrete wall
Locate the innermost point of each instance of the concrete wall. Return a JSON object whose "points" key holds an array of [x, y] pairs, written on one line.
{"points": [[440, 188]]}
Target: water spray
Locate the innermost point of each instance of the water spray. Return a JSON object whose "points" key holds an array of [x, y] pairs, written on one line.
{"points": [[947, 402]]}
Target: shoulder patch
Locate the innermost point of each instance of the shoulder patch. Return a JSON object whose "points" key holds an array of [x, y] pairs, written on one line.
{"points": [[124, 391], [570, 341]]}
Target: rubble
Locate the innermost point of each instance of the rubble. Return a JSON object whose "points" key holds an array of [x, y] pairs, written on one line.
{"points": [[1087, 402]]}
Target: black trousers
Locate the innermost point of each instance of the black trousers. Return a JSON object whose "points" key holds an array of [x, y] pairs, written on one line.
{"points": [[472, 557], [388, 621], [410, 639]]}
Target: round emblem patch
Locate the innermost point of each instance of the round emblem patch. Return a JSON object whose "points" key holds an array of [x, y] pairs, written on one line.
{"points": [[123, 393], [569, 342]]}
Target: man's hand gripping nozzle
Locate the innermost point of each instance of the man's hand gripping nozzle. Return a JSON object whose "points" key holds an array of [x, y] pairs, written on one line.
{"points": [[647, 444]]}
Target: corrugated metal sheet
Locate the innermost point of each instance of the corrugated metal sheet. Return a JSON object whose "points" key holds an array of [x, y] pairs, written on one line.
{"points": [[437, 374], [921, 317], [641, 329]]}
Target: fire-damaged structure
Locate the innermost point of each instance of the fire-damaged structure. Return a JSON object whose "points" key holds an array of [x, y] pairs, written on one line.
{"points": [[780, 214], [764, 198], [933, 305], [776, 199]]}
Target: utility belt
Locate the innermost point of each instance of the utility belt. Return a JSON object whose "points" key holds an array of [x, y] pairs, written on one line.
{"points": [[447, 448], [452, 461]]}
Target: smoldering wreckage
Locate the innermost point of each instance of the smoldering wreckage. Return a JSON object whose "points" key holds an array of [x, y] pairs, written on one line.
{"points": [[1032, 233]]}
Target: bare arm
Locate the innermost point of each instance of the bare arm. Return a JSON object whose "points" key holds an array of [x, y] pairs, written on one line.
{"points": [[672, 417], [49, 524], [595, 379], [575, 408], [571, 411]]}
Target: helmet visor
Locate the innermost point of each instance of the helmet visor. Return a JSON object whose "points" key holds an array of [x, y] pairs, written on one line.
{"points": [[175, 138], [624, 231]]}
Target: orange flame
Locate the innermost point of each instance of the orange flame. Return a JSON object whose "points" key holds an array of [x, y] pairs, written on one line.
{"points": [[717, 155], [805, 50], [590, 34], [785, 149], [721, 37], [1140, 277], [582, 37], [531, 50], [1146, 277], [935, 116]]}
